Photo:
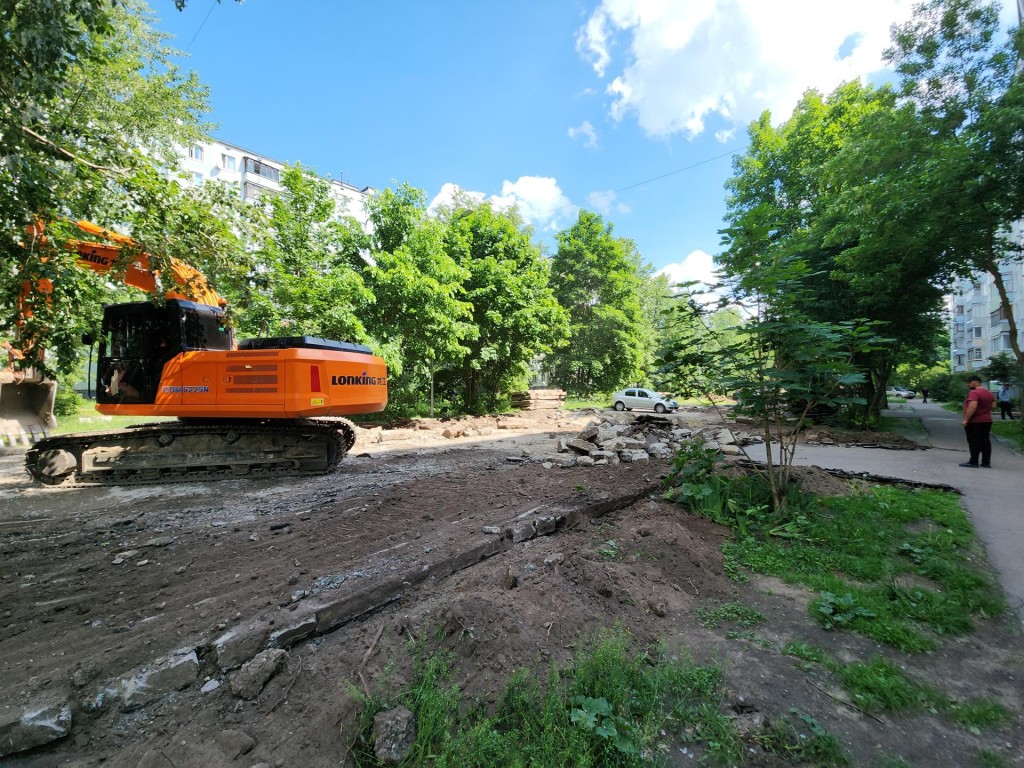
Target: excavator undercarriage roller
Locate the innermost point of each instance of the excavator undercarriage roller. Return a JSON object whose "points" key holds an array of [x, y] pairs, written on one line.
{"points": [[188, 451]]}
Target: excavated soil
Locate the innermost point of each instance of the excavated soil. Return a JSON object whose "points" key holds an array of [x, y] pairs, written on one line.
{"points": [[98, 583]]}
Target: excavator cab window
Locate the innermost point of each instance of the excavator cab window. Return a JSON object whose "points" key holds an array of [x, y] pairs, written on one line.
{"points": [[204, 327], [135, 342]]}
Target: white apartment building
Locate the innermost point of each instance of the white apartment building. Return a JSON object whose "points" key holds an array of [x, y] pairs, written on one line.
{"points": [[256, 175], [979, 329]]}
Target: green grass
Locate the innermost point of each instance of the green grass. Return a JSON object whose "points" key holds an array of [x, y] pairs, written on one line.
{"points": [[877, 686], [88, 419], [1010, 430], [861, 553], [735, 613], [598, 401], [612, 706]]}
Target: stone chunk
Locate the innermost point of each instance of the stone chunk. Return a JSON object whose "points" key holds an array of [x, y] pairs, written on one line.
{"points": [[524, 532], [580, 446], [152, 682], [239, 644], [234, 743], [634, 457], [250, 679], [288, 636], [393, 735], [38, 724]]}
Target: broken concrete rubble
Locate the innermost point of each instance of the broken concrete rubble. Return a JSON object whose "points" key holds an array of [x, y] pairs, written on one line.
{"points": [[634, 439], [38, 724]]}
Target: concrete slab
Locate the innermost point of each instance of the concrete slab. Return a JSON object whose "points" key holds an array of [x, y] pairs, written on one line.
{"points": [[994, 498]]}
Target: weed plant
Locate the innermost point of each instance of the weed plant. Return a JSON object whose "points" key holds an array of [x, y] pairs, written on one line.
{"points": [[612, 706], [879, 686], [889, 563]]}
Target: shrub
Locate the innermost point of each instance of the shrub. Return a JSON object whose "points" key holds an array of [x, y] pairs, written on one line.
{"points": [[67, 402]]}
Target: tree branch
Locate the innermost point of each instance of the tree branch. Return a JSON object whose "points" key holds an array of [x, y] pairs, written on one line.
{"points": [[67, 153]]}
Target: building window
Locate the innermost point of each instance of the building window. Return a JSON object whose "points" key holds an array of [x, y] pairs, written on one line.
{"points": [[252, 191], [262, 169], [959, 361], [959, 327], [977, 331], [976, 354], [197, 179], [1004, 339], [196, 152], [228, 163]]}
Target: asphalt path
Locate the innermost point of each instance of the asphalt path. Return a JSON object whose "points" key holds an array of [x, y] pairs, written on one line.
{"points": [[994, 498]]}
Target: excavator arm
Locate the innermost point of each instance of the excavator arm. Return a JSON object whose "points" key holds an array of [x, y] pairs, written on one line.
{"points": [[26, 394]]}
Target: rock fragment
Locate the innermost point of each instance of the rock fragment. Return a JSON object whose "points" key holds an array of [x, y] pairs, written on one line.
{"points": [[39, 723], [250, 679], [394, 732]]}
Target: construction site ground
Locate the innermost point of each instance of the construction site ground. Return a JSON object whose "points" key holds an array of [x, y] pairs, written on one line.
{"points": [[412, 543]]}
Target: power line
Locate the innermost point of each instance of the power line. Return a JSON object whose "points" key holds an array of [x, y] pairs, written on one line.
{"points": [[203, 24], [647, 181]]}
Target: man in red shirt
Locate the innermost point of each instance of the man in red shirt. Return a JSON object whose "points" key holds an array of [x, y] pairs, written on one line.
{"points": [[978, 423]]}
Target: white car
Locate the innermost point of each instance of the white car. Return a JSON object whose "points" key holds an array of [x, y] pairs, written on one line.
{"points": [[906, 394], [628, 399]]}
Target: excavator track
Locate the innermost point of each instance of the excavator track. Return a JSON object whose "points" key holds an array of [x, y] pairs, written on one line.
{"points": [[185, 452]]}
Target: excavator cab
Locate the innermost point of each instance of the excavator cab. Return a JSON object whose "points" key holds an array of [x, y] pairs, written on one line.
{"points": [[138, 339]]}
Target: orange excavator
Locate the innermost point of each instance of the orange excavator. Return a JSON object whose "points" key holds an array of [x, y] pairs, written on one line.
{"points": [[260, 407]]}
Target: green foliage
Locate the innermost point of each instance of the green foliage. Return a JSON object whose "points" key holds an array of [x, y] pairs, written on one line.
{"points": [[878, 686], [735, 613], [692, 479], [612, 706], [67, 402], [302, 280], [836, 612], [418, 309], [1004, 369], [515, 311], [599, 280], [90, 123], [787, 738], [853, 551], [779, 363]]}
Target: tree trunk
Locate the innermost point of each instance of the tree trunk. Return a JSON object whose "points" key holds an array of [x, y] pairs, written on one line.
{"points": [[1007, 308]]}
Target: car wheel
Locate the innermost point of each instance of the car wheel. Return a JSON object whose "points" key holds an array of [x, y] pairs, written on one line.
{"points": [[619, 405], [659, 408]]}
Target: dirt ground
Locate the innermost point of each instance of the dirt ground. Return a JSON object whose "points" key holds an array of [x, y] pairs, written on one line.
{"points": [[399, 545]]}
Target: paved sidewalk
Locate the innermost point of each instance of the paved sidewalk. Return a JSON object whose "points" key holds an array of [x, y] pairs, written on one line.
{"points": [[994, 498]]}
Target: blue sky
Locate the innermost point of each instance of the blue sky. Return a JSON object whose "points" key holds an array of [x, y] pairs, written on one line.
{"points": [[631, 108]]}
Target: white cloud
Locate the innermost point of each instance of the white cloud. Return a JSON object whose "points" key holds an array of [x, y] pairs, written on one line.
{"points": [[693, 60], [586, 130], [539, 199], [449, 192], [698, 266]]}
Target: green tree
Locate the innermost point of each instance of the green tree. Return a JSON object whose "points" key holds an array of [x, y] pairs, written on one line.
{"points": [[796, 194], [781, 366], [94, 107], [303, 282], [419, 312], [598, 279], [963, 168], [515, 312]]}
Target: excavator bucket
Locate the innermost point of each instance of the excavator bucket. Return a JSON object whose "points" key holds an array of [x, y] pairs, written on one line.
{"points": [[26, 407]]}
